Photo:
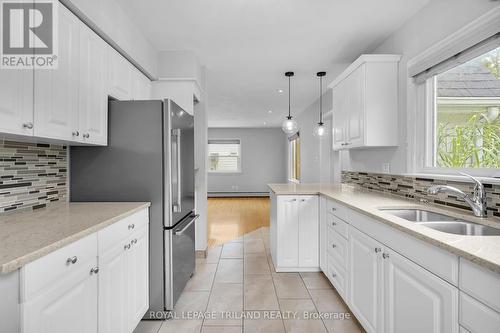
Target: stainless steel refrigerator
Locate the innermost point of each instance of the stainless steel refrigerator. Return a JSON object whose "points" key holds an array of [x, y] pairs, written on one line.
{"points": [[149, 157]]}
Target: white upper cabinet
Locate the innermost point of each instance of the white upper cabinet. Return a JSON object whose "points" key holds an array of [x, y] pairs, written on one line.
{"points": [[93, 98], [120, 80], [16, 101], [365, 103], [141, 86], [56, 90]]}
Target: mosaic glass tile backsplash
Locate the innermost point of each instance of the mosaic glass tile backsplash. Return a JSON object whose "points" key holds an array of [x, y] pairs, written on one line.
{"points": [[416, 188], [32, 175]]}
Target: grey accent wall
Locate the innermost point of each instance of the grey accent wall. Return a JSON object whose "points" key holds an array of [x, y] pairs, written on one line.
{"points": [[32, 175], [263, 160]]}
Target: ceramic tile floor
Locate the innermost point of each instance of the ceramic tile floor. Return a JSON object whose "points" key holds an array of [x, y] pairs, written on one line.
{"points": [[239, 277]]}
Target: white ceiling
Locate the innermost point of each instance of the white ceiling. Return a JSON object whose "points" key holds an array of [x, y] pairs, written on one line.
{"points": [[247, 45]]}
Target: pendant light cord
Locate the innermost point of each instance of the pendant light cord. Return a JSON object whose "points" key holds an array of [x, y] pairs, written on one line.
{"points": [[320, 100], [289, 114]]}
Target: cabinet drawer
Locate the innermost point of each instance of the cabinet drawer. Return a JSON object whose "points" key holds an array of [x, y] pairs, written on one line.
{"points": [[337, 248], [118, 231], [336, 209], [337, 276], [43, 272], [477, 317], [338, 225], [480, 283]]}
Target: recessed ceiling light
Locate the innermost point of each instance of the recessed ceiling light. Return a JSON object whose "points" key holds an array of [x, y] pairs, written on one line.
{"points": [[280, 91], [270, 111]]}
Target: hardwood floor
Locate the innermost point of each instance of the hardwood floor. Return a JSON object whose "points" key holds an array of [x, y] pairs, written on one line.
{"points": [[230, 218]]}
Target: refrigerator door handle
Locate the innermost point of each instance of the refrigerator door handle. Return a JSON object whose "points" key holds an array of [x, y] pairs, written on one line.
{"points": [[176, 204], [179, 232]]}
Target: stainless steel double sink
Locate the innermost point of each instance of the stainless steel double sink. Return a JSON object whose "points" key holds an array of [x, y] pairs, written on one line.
{"points": [[442, 222]]}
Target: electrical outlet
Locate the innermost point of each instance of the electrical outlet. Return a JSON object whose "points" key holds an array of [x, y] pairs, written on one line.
{"points": [[386, 168]]}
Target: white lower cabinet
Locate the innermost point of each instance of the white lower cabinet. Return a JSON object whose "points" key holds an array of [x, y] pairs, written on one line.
{"points": [[297, 233], [416, 300], [365, 280], [96, 284]]}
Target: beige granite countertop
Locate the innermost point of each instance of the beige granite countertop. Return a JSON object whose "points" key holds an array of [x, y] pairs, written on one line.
{"points": [[28, 235], [483, 250]]}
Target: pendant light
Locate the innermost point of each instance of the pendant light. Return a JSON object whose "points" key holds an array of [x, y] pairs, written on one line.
{"points": [[289, 125], [320, 129]]}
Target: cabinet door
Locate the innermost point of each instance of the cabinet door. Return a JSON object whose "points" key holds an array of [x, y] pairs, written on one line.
{"points": [[70, 302], [113, 284], [355, 116], [138, 283], [93, 98], [323, 235], [119, 76], [339, 126], [288, 231], [417, 300], [365, 280], [56, 90], [16, 101], [308, 231]]}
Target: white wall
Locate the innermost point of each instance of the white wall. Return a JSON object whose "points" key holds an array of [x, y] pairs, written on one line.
{"points": [[263, 160], [315, 155], [434, 22]]}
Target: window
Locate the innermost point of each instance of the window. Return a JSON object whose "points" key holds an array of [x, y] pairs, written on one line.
{"points": [[462, 118], [224, 155], [294, 158]]}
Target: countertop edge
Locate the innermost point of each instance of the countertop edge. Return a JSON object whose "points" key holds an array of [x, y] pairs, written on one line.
{"points": [[492, 266], [14, 265]]}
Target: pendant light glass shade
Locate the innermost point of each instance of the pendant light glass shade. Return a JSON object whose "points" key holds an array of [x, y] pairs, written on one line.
{"points": [[320, 129], [289, 125]]}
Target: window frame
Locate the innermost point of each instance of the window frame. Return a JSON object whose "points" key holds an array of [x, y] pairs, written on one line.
{"points": [[291, 162], [225, 172], [418, 120]]}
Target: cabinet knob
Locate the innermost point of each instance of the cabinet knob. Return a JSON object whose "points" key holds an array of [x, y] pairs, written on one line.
{"points": [[71, 260], [334, 209], [134, 241], [378, 249], [28, 125], [94, 270], [385, 255], [302, 200], [86, 135], [127, 247], [334, 246], [333, 275], [334, 224], [131, 226], [76, 133]]}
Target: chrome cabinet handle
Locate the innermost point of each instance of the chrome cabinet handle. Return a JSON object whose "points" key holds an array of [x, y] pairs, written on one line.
{"points": [[302, 200], [378, 249], [75, 133], [28, 125], [333, 275], [334, 246], [385, 255], [131, 226], [134, 241], [71, 260], [86, 135], [94, 270], [334, 209], [127, 247], [334, 224]]}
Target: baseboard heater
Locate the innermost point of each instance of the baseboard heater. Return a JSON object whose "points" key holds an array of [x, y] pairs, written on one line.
{"points": [[237, 194]]}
